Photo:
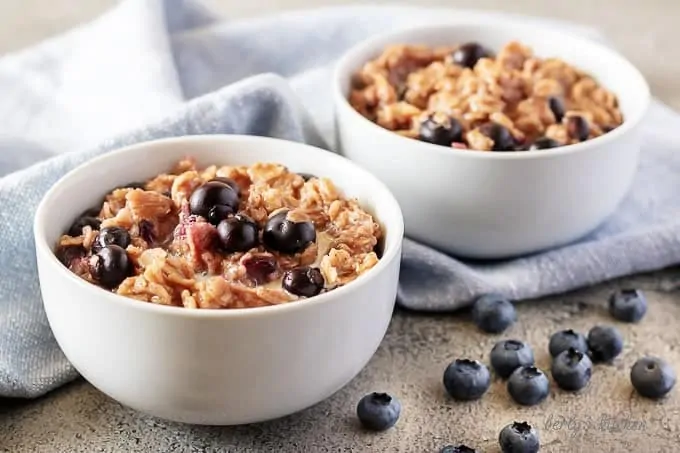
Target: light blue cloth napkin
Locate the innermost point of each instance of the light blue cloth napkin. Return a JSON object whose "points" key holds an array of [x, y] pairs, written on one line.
{"points": [[152, 68]]}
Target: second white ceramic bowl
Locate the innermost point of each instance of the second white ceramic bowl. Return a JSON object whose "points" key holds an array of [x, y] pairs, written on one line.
{"points": [[498, 205], [216, 367]]}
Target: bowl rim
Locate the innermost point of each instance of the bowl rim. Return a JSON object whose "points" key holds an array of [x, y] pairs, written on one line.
{"points": [[41, 219], [342, 69]]}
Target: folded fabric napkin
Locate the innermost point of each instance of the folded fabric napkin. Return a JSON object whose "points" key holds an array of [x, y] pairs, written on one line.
{"points": [[157, 68]]}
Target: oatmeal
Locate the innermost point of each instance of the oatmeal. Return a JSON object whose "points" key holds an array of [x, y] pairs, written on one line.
{"points": [[223, 237], [466, 97]]}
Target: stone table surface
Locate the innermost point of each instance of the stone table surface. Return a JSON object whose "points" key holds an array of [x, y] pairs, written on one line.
{"points": [[606, 417]]}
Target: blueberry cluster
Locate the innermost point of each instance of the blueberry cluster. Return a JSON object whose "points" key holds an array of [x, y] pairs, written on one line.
{"points": [[217, 201], [573, 356]]}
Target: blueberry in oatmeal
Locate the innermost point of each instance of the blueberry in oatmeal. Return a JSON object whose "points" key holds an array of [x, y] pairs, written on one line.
{"points": [[531, 97], [110, 266], [222, 237], [111, 236], [237, 234], [557, 108], [578, 128], [228, 181], [306, 176], [303, 281], [500, 135], [85, 221], [214, 201], [468, 54], [544, 143], [442, 133], [287, 236]]}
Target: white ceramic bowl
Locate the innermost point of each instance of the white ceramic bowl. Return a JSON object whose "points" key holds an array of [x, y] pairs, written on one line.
{"points": [[497, 205], [216, 367]]}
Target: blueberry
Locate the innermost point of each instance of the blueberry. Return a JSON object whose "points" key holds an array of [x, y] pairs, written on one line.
{"points": [[228, 181], [285, 236], [628, 305], [458, 449], [565, 339], [110, 266], [528, 385], [214, 201], [557, 108], [466, 380], [501, 136], [378, 411], [237, 234], [68, 253], [493, 313], [577, 128], [544, 143], [111, 236], [519, 437], [469, 54], [260, 268], [605, 343], [508, 355], [441, 134], [76, 228], [652, 377], [571, 369], [307, 176], [607, 129], [303, 281]]}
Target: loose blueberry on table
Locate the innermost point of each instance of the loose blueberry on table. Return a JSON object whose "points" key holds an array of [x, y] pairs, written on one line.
{"points": [[459, 449], [565, 339], [605, 343], [493, 313], [378, 411], [628, 305], [519, 437], [508, 355], [466, 380], [528, 386], [571, 370], [652, 377]]}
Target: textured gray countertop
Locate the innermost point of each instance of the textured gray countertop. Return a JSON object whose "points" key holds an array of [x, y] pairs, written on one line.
{"points": [[607, 417]]}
